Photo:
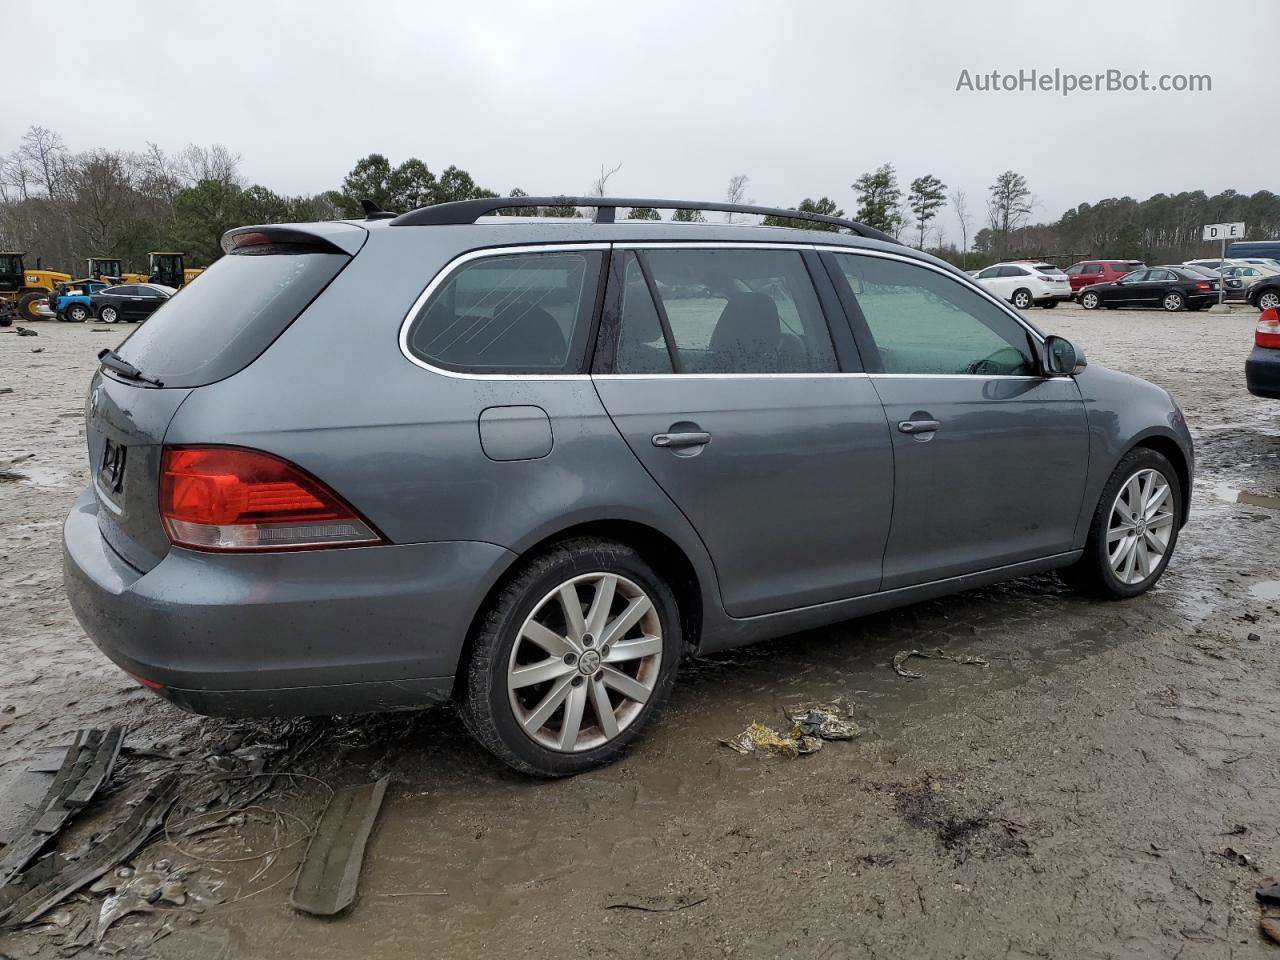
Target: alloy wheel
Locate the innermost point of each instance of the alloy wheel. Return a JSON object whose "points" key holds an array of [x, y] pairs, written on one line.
{"points": [[1269, 300], [1139, 527], [1021, 300], [585, 662], [108, 315], [1172, 301], [1089, 301]]}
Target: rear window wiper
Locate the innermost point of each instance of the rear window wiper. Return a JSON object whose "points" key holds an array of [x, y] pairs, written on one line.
{"points": [[113, 361]]}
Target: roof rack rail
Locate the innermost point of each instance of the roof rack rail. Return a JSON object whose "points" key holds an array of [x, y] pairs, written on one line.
{"points": [[468, 211]]}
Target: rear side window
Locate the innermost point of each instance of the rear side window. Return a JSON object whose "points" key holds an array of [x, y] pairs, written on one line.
{"points": [[721, 311], [218, 324], [520, 313], [1091, 268], [924, 322]]}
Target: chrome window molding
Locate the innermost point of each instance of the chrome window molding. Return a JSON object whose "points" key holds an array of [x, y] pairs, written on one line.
{"points": [[864, 252], [452, 267]]}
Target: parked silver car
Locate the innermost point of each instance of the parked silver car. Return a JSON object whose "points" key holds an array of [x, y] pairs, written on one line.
{"points": [[529, 464]]}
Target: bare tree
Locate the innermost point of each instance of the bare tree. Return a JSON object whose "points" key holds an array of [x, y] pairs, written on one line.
{"points": [[600, 185], [737, 193], [44, 156], [160, 175], [196, 163], [960, 201]]}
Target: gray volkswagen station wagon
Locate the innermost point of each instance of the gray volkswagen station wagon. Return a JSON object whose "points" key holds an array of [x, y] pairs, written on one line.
{"points": [[529, 463]]}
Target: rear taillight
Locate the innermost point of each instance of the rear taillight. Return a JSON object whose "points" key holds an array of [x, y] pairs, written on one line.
{"points": [[1203, 285], [1267, 333], [230, 498]]}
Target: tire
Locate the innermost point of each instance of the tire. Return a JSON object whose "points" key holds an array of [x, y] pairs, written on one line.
{"points": [[1173, 301], [27, 306], [108, 315], [1095, 573], [1268, 300], [1021, 299], [77, 313], [1049, 304], [1090, 300], [498, 715]]}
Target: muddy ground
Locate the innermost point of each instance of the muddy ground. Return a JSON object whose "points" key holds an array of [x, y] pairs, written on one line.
{"points": [[1106, 786]]}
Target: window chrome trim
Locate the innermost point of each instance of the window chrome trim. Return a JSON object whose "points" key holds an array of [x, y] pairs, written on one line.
{"points": [[452, 267], [864, 252]]}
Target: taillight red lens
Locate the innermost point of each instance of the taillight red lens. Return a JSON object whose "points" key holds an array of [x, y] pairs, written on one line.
{"points": [[1267, 333], [1202, 285], [231, 498]]}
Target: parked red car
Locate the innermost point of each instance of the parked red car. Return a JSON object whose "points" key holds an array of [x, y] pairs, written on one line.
{"points": [[1088, 272]]}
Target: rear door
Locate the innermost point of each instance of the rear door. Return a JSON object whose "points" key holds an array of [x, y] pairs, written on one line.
{"points": [[995, 280], [718, 366], [145, 302], [990, 455], [1152, 290]]}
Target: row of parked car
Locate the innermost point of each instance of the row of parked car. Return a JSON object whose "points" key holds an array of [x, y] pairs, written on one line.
{"points": [[83, 300], [1127, 283]]}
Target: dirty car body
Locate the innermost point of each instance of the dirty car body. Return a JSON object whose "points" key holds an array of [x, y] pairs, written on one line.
{"points": [[704, 435]]}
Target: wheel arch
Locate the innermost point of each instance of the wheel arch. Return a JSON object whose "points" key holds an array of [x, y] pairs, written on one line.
{"points": [[655, 546], [1169, 448]]}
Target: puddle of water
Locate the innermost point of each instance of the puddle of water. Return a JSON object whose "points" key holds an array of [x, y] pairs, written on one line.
{"points": [[1231, 494], [1258, 500], [1267, 590]]}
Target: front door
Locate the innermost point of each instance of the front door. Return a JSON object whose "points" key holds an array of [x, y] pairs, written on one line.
{"points": [[1132, 289], [990, 456], [718, 367]]}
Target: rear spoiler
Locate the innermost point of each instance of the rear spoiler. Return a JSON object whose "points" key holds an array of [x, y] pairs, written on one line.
{"points": [[339, 237]]}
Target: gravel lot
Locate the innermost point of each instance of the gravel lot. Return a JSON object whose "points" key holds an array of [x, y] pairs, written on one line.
{"points": [[1074, 797]]}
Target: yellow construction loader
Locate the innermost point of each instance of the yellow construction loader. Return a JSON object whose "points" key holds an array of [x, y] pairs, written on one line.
{"points": [[111, 270], [24, 288], [165, 267]]}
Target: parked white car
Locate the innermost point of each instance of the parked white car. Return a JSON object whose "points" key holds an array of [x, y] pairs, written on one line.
{"points": [[1248, 274], [1217, 263], [1266, 263], [1027, 282]]}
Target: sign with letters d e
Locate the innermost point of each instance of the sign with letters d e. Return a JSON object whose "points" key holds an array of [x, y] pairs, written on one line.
{"points": [[1223, 231]]}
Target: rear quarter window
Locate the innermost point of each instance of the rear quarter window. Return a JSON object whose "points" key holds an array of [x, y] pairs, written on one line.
{"points": [[223, 320], [510, 313]]}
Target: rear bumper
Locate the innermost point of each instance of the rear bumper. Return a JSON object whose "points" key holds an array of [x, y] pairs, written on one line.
{"points": [[1262, 373], [1053, 296], [316, 632]]}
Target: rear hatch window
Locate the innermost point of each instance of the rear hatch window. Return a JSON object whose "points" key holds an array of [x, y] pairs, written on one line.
{"points": [[223, 320]]}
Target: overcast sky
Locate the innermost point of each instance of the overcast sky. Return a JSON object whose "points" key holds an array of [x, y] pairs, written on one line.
{"points": [[800, 96]]}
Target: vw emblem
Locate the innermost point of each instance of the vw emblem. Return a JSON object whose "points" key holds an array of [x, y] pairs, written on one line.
{"points": [[589, 662]]}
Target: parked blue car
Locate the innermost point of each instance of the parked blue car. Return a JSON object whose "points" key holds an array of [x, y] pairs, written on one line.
{"points": [[70, 301]]}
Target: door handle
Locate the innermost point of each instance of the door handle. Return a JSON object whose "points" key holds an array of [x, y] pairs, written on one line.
{"points": [[918, 426], [673, 440]]}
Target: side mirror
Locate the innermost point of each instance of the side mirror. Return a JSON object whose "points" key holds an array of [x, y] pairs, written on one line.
{"points": [[1062, 357]]}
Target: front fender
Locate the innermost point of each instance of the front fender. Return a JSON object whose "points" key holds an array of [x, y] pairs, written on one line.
{"points": [[1123, 412]]}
